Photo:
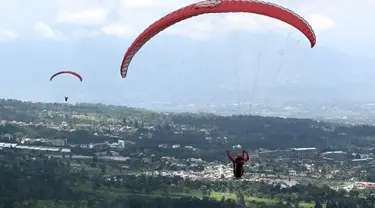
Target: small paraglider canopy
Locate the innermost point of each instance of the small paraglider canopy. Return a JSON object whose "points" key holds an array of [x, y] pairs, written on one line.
{"points": [[66, 72]]}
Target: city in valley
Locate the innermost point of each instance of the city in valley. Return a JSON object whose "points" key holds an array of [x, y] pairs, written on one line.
{"points": [[113, 144]]}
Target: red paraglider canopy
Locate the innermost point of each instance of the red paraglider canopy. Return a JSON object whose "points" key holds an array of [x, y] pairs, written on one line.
{"points": [[217, 6], [66, 72]]}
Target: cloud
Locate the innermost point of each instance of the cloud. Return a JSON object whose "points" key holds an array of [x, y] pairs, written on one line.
{"points": [[136, 4], [241, 21], [84, 33], [321, 22], [253, 22], [195, 30], [6, 35], [155, 4], [44, 30], [119, 30], [87, 17]]}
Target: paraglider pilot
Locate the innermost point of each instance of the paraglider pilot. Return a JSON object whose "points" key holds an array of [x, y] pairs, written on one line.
{"points": [[66, 99], [238, 163]]}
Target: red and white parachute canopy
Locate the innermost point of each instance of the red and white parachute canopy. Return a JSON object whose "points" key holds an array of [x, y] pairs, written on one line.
{"points": [[67, 72], [217, 6]]}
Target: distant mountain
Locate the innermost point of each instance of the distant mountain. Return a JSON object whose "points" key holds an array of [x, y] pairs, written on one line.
{"points": [[178, 72]]}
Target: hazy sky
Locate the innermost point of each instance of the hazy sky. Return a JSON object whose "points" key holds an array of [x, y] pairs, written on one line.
{"points": [[41, 37]]}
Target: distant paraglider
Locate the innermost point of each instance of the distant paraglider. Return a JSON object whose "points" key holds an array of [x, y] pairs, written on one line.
{"points": [[217, 6], [66, 72]]}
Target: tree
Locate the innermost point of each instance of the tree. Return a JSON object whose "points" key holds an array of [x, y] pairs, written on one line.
{"points": [[136, 125], [318, 205], [354, 193], [240, 199], [123, 120]]}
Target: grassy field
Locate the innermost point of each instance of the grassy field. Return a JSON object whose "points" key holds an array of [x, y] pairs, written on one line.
{"points": [[113, 193], [218, 196]]}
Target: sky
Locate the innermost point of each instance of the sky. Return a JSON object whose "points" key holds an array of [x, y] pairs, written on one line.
{"points": [[205, 60]]}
